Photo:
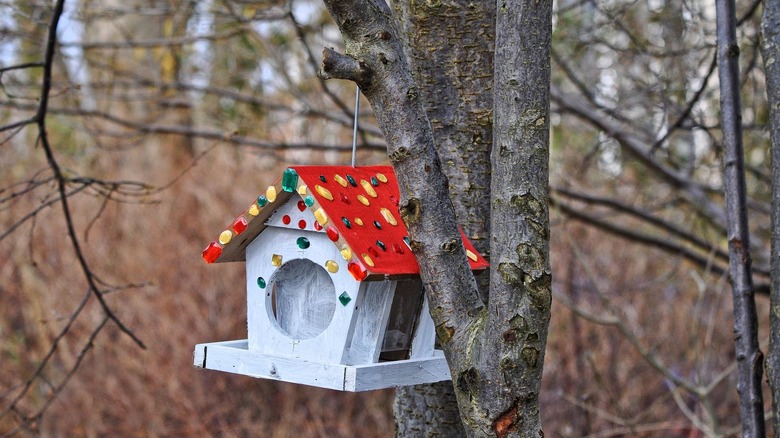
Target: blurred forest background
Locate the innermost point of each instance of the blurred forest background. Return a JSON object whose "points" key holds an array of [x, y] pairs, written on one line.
{"points": [[167, 118]]}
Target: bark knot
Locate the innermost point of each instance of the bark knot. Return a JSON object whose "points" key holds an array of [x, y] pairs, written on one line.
{"points": [[506, 423]]}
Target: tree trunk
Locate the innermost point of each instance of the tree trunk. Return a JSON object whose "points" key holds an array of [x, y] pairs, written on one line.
{"points": [[749, 356], [495, 356], [770, 26], [455, 82]]}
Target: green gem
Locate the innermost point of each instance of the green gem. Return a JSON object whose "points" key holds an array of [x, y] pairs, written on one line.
{"points": [[351, 180], [303, 243], [262, 200], [344, 298], [261, 282], [381, 244], [374, 181], [408, 241], [322, 178], [309, 201], [289, 180], [377, 225], [347, 223]]}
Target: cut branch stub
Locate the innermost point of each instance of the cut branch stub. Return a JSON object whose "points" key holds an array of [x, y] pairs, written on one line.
{"points": [[339, 66]]}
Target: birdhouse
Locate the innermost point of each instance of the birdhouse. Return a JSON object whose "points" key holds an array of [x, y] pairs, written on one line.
{"points": [[334, 297]]}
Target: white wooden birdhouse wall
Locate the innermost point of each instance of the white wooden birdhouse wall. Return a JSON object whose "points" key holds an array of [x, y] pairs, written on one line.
{"points": [[333, 291]]}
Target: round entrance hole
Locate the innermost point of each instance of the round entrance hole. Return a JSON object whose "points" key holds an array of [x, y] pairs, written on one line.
{"points": [[302, 299]]}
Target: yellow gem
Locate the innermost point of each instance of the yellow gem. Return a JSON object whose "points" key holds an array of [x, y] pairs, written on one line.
{"points": [[340, 180], [325, 193], [320, 215], [359, 221], [363, 200], [346, 252], [225, 236], [368, 188], [270, 193], [253, 210], [276, 260], [368, 260], [471, 255], [388, 216], [332, 266], [381, 177], [302, 190]]}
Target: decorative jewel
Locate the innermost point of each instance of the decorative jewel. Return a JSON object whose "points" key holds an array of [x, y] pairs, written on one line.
{"points": [[302, 190], [347, 223], [333, 233], [320, 215], [270, 193], [388, 216], [359, 221], [253, 210], [322, 178], [381, 177], [212, 252], [408, 241], [225, 236], [368, 260], [344, 198], [289, 180], [317, 226], [393, 199], [325, 193], [239, 225], [374, 181], [397, 248], [344, 298], [373, 252], [381, 244], [377, 225], [303, 243], [309, 201], [262, 200], [368, 188], [276, 260], [351, 180], [301, 206], [363, 200], [261, 282], [302, 224], [286, 219], [340, 180], [346, 252], [357, 270], [471, 256], [332, 266]]}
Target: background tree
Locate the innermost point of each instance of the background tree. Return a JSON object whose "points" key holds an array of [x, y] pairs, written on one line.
{"points": [[637, 224]]}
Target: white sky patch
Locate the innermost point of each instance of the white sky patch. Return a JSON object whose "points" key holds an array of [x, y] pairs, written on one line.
{"points": [[198, 65], [70, 31]]}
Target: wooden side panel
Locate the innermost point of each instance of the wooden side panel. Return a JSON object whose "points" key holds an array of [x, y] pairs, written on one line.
{"points": [[397, 373], [424, 339], [373, 309]]}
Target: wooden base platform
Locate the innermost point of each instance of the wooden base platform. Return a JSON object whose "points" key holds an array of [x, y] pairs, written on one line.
{"points": [[235, 357]]}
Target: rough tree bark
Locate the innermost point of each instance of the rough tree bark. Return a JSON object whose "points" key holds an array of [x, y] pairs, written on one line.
{"points": [[455, 83], [770, 50], [496, 352], [749, 357]]}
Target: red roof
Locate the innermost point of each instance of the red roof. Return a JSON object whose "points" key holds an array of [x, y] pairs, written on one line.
{"points": [[357, 208]]}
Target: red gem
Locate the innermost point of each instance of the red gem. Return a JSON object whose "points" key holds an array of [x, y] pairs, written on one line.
{"points": [[286, 219], [357, 270], [239, 225], [344, 198], [317, 226], [301, 205], [397, 248], [393, 199], [373, 252], [333, 233], [212, 252], [302, 224]]}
